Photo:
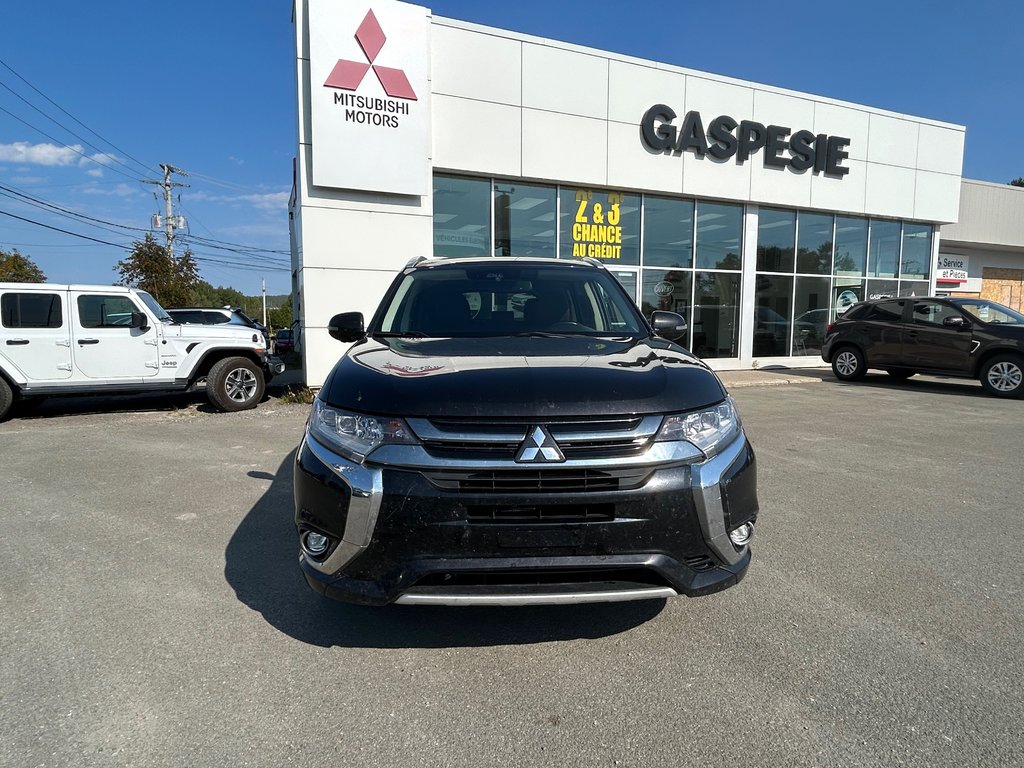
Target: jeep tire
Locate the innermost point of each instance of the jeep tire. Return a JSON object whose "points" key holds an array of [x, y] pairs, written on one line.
{"points": [[6, 398], [235, 384], [1003, 376]]}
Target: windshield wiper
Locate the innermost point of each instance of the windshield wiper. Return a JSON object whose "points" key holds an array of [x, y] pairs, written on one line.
{"points": [[542, 335], [400, 335]]}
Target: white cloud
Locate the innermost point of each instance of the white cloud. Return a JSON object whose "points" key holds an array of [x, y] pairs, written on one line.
{"points": [[28, 180], [39, 154], [235, 160], [266, 201], [121, 190], [95, 173]]}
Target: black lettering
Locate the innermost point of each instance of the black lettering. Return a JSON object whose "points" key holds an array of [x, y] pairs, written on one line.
{"points": [[820, 152], [836, 155], [339, 97], [776, 142], [802, 147], [691, 135], [723, 141], [751, 137], [660, 137]]}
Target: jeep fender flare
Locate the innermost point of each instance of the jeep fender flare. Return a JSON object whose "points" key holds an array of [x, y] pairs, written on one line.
{"points": [[202, 367]]}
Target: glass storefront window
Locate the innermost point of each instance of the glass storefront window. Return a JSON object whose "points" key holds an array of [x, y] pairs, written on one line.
{"points": [[814, 244], [668, 290], [917, 251], [716, 314], [668, 232], [812, 310], [884, 248], [628, 281], [776, 236], [851, 245], [881, 289], [719, 236], [845, 293], [524, 220], [462, 217], [914, 288], [773, 303], [600, 225]]}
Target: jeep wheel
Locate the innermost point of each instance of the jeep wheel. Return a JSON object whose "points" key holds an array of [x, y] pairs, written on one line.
{"points": [[234, 384], [848, 364], [6, 398], [1003, 376]]}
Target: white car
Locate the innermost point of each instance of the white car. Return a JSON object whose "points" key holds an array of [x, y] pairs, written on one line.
{"points": [[98, 339]]}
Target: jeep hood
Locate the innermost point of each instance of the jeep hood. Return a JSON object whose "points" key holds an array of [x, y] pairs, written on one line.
{"points": [[519, 377]]}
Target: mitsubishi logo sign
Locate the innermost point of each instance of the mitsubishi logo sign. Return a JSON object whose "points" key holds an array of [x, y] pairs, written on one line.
{"points": [[369, 96], [539, 448], [347, 75]]}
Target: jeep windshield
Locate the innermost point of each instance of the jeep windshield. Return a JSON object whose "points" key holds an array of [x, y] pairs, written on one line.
{"points": [[990, 312], [155, 308], [475, 300]]}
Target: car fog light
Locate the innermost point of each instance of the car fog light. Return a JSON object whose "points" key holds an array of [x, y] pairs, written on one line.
{"points": [[742, 535], [315, 543]]}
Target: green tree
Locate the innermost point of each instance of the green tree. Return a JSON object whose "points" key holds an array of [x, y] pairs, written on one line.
{"points": [[150, 267], [1018, 182], [281, 317], [16, 268]]}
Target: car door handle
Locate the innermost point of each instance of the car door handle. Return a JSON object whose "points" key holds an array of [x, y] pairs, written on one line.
{"points": [[17, 342], [83, 342]]}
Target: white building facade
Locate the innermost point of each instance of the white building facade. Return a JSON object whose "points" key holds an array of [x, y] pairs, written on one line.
{"points": [[757, 213]]}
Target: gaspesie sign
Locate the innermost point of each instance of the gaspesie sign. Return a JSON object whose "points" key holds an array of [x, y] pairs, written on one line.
{"points": [[725, 138]]}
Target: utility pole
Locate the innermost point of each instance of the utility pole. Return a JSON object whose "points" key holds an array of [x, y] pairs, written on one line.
{"points": [[263, 280], [171, 222]]}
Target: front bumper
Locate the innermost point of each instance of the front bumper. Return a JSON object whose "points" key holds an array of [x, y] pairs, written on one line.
{"points": [[398, 537], [272, 366]]}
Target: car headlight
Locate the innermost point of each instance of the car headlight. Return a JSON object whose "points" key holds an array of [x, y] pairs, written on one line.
{"points": [[354, 435], [710, 429]]}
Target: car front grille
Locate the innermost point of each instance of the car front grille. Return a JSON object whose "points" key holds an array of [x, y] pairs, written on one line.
{"points": [[545, 513], [512, 481], [598, 438]]}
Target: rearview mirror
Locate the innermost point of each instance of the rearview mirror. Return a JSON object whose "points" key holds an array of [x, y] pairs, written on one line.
{"points": [[348, 326], [668, 324], [140, 321]]}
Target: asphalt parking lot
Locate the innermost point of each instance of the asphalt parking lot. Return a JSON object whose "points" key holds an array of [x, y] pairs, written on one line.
{"points": [[153, 613]]}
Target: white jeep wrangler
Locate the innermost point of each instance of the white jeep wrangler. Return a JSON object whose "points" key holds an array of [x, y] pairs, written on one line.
{"points": [[100, 339]]}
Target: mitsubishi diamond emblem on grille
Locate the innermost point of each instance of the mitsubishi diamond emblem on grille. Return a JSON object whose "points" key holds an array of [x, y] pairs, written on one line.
{"points": [[539, 447]]}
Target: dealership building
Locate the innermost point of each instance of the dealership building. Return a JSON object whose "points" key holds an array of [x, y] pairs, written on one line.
{"points": [[756, 212]]}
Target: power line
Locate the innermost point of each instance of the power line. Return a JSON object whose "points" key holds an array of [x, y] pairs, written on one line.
{"points": [[58, 106], [66, 232], [39, 202]]}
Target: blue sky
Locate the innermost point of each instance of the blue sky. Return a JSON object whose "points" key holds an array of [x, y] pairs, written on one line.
{"points": [[209, 87]]}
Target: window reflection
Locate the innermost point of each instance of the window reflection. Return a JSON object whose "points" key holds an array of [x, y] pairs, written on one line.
{"points": [[524, 220], [772, 312], [851, 245], [917, 251], [884, 250], [811, 309], [776, 235], [716, 314], [814, 244], [719, 236], [668, 232], [462, 217], [668, 290]]}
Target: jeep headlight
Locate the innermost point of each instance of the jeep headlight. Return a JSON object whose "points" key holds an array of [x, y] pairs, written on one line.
{"points": [[354, 435], [710, 429]]}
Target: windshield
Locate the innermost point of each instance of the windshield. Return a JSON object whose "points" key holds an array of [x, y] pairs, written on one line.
{"points": [[155, 308], [509, 299], [990, 312]]}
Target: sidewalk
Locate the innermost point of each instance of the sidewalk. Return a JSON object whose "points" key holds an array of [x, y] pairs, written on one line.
{"points": [[774, 376]]}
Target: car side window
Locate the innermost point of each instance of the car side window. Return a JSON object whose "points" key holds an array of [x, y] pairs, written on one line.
{"points": [[31, 310], [97, 311], [932, 313], [886, 312]]}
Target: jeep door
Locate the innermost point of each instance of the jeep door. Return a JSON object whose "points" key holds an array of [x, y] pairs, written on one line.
{"points": [[931, 341], [105, 346], [36, 334]]}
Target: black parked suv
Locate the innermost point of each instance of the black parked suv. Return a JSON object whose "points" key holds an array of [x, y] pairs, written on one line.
{"points": [[513, 431], [972, 338]]}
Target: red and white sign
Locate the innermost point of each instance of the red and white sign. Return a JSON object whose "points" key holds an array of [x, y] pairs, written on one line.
{"points": [[951, 269], [369, 95]]}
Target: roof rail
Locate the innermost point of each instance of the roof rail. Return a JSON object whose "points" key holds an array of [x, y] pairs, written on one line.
{"points": [[413, 262], [594, 262]]}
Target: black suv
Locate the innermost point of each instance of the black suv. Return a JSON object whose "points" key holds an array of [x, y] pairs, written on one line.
{"points": [[513, 431], [972, 338]]}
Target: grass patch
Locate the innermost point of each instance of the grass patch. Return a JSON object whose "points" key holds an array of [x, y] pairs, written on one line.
{"points": [[298, 394]]}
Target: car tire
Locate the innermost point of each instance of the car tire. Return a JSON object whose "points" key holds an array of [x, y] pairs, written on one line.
{"points": [[6, 398], [235, 384], [1003, 376], [848, 364], [900, 375]]}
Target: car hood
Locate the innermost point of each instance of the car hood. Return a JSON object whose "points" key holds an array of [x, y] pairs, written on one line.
{"points": [[526, 377], [226, 331]]}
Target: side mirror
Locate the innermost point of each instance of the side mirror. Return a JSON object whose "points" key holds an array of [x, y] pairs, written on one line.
{"points": [[140, 321], [668, 324], [348, 326], [956, 321]]}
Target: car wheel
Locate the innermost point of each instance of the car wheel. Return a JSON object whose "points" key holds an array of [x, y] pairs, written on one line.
{"points": [[1003, 376], [6, 398], [235, 384], [848, 364], [898, 374]]}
